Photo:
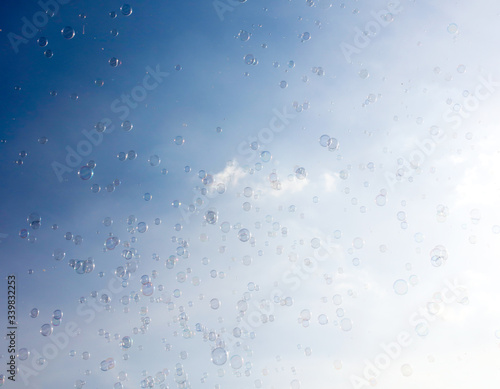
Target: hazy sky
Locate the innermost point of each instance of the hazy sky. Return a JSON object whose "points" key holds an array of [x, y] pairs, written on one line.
{"points": [[304, 184]]}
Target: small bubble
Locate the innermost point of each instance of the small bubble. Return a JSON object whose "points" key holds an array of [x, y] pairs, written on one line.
{"points": [[68, 32]]}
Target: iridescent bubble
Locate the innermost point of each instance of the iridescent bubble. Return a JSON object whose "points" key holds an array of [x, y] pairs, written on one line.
{"points": [[23, 354], [34, 313], [333, 144], [147, 196], [439, 255], [179, 140], [243, 35], [283, 84], [452, 28], [111, 242], [107, 364], [305, 36], [249, 59], [59, 254], [126, 342], [85, 173], [147, 289], [24, 233]]}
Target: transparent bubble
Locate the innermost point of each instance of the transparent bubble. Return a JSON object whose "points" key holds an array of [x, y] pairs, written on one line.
{"points": [[59, 254], [23, 354], [68, 32], [99, 82], [107, 364], [244, 235], [346, 324], [42, 41], [265, 156], [127, 126], [85, 173], [244, 36], [300, 173], [363, 73], [34, 313], [358, 243], [131, 155], [46, 330], [439, 255], [249, 59], [95, 188], [211, 217], [214, 303], [43, 140], [305, 36], [400, 287], [147, 196], [114, 62], [24, 233], [126, 10], [323, 319], [333, 144], [283, 84], [147, 289], [142, 227], [179, 140], [34, 220], [452, 28], [48, 53], [111, 243], [219, 356], [324, 140], [154, 160], [236, 362], [381, 200], [406, 370], [225, 227]]}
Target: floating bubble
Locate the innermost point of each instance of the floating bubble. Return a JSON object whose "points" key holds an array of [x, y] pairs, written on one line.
{"points": [[48, 53], [34, 313], [46, 330], [68, 32], [244, 235], [439, 255], [127, 126], [381, 200], [211, 217], [346, 324], [126, 10], [114, 62], [24, 233], [34, 220], [147, 289], [363, 73], [215, 303], [300, 173], [400, 287], [154, 160], [107, 364], [142, 227], [406, 370], [265, 156], [179, 140], [333, 144], [85, 173], [324, 140], [358, 243], [147, 196], [323, 319], [23, 354], [305, 36], [283, 84], [126, 342], [59, 254], [219, 356], [244, 36], [42, 41], [111, 243], [236, 362], [452, 28]]}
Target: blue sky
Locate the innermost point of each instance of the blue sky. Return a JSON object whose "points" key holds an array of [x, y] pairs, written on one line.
{"points": [[426, 112]]}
